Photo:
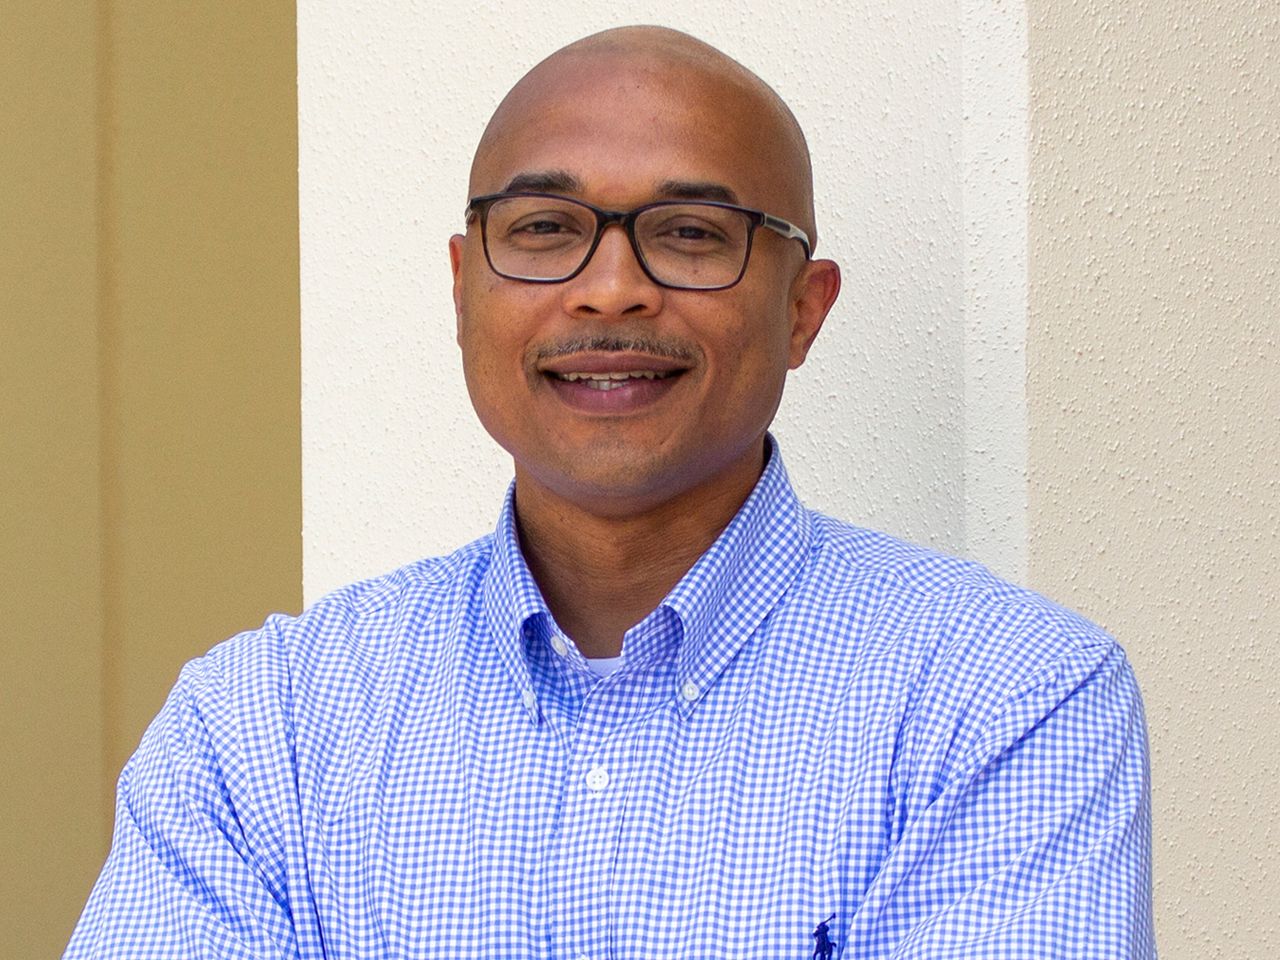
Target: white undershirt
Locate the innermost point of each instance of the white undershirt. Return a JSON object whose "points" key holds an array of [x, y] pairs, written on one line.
{"points": [[603, 666]]}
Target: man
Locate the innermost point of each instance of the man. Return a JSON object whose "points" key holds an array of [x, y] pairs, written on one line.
{"points": [[663, 711]]}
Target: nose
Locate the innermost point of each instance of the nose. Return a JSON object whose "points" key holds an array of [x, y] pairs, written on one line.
{"points": [[612, 284]]}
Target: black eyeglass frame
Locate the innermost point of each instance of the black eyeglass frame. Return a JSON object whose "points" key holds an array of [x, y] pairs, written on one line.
{"points": [[478, 209]]}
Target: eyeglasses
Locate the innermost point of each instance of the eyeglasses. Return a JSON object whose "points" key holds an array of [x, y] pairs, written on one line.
{"points": [[681, 244]]}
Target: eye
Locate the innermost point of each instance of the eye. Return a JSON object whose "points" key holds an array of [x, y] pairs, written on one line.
{"points": [[694, 231], [690, 231], [542, 229]]}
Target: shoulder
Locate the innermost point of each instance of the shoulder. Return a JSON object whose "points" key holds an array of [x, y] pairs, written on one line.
{"points": [[934, 584], [948, 621], [962, 663], [369, 612], [346, 636]]}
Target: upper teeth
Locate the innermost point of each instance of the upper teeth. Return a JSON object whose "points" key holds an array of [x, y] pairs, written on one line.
{"points": [[646, 374]]}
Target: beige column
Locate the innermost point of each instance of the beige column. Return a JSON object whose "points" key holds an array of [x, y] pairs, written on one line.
{"points": [[1154, 405], [149, 378]]}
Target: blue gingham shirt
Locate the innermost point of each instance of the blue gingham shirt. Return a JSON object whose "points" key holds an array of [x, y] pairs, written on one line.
{"points": [[818, 720]]}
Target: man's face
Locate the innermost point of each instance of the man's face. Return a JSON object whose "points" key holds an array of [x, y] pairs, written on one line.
{"points": [[695, 376]]}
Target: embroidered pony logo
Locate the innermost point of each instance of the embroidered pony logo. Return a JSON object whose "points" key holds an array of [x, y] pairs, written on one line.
{"points": [[823, 948]]}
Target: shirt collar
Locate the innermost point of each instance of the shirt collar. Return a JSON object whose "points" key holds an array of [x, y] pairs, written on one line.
{"points": [[741, 577], [511, 600], [719, 602]]}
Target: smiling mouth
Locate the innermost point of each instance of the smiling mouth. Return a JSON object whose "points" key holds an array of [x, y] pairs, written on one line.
{"points": [[612, 380]]}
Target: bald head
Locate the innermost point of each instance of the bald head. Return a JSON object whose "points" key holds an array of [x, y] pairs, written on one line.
{"points": [[656, 82]]}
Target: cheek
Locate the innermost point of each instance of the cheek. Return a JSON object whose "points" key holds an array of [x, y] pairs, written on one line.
{"points": [[756, 365], [493, 378], [759, 353], [493, 392], [494, 337], [489, 331]]}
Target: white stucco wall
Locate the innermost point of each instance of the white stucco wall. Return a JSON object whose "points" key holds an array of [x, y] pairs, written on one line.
{"points": [[994, 178], [909, 416]]}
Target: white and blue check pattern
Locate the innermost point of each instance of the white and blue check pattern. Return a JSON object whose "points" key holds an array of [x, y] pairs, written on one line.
{"points": [[817, 720]]}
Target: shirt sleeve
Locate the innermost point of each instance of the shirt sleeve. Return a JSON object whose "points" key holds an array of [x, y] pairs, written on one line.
{"points": [[1036, 844], [196, 867]]}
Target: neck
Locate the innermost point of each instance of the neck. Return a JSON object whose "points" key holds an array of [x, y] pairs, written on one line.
{"points": [[600, 572]]}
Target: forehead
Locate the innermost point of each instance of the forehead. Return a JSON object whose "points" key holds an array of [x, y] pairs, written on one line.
{"points": [[621, 131]]}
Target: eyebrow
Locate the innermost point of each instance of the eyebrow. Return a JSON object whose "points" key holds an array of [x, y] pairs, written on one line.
{"points": [[696, 190], [544, 181], [562, 181]]}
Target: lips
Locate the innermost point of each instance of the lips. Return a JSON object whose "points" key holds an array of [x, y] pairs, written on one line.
{"points": [[612, 383], [612, 380]]}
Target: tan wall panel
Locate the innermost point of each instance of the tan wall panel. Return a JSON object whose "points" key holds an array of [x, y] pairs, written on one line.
{"points": [[53, 825], [204, 492], [1154, 398], [150, 477]]}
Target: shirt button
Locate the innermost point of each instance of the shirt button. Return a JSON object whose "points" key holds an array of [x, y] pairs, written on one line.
{"points": [[689, 690], [528, 699], [597, 779], [558, 645]]}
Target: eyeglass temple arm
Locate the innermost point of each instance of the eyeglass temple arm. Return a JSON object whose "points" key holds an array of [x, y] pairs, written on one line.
{"points": [[788, 230]]}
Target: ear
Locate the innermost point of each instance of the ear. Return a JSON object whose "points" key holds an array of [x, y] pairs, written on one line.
{"points": [[812, 293], [456, 243]]}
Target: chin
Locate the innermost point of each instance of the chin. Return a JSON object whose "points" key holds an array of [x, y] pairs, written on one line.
{"points": [[604, 483]]}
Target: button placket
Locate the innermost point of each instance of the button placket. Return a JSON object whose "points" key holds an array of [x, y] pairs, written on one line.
{"points": [[587, 840], [597, 779]]}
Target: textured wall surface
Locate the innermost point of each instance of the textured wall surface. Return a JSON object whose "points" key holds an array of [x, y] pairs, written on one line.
{"points": [[994, 182], [1154, 364], [924, 213]]}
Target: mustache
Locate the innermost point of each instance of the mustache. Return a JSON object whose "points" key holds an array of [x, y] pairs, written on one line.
{"points": [[666, 348]]}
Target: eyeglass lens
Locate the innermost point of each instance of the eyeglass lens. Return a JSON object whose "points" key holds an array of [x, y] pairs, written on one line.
{"points": [[694, 245]]}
